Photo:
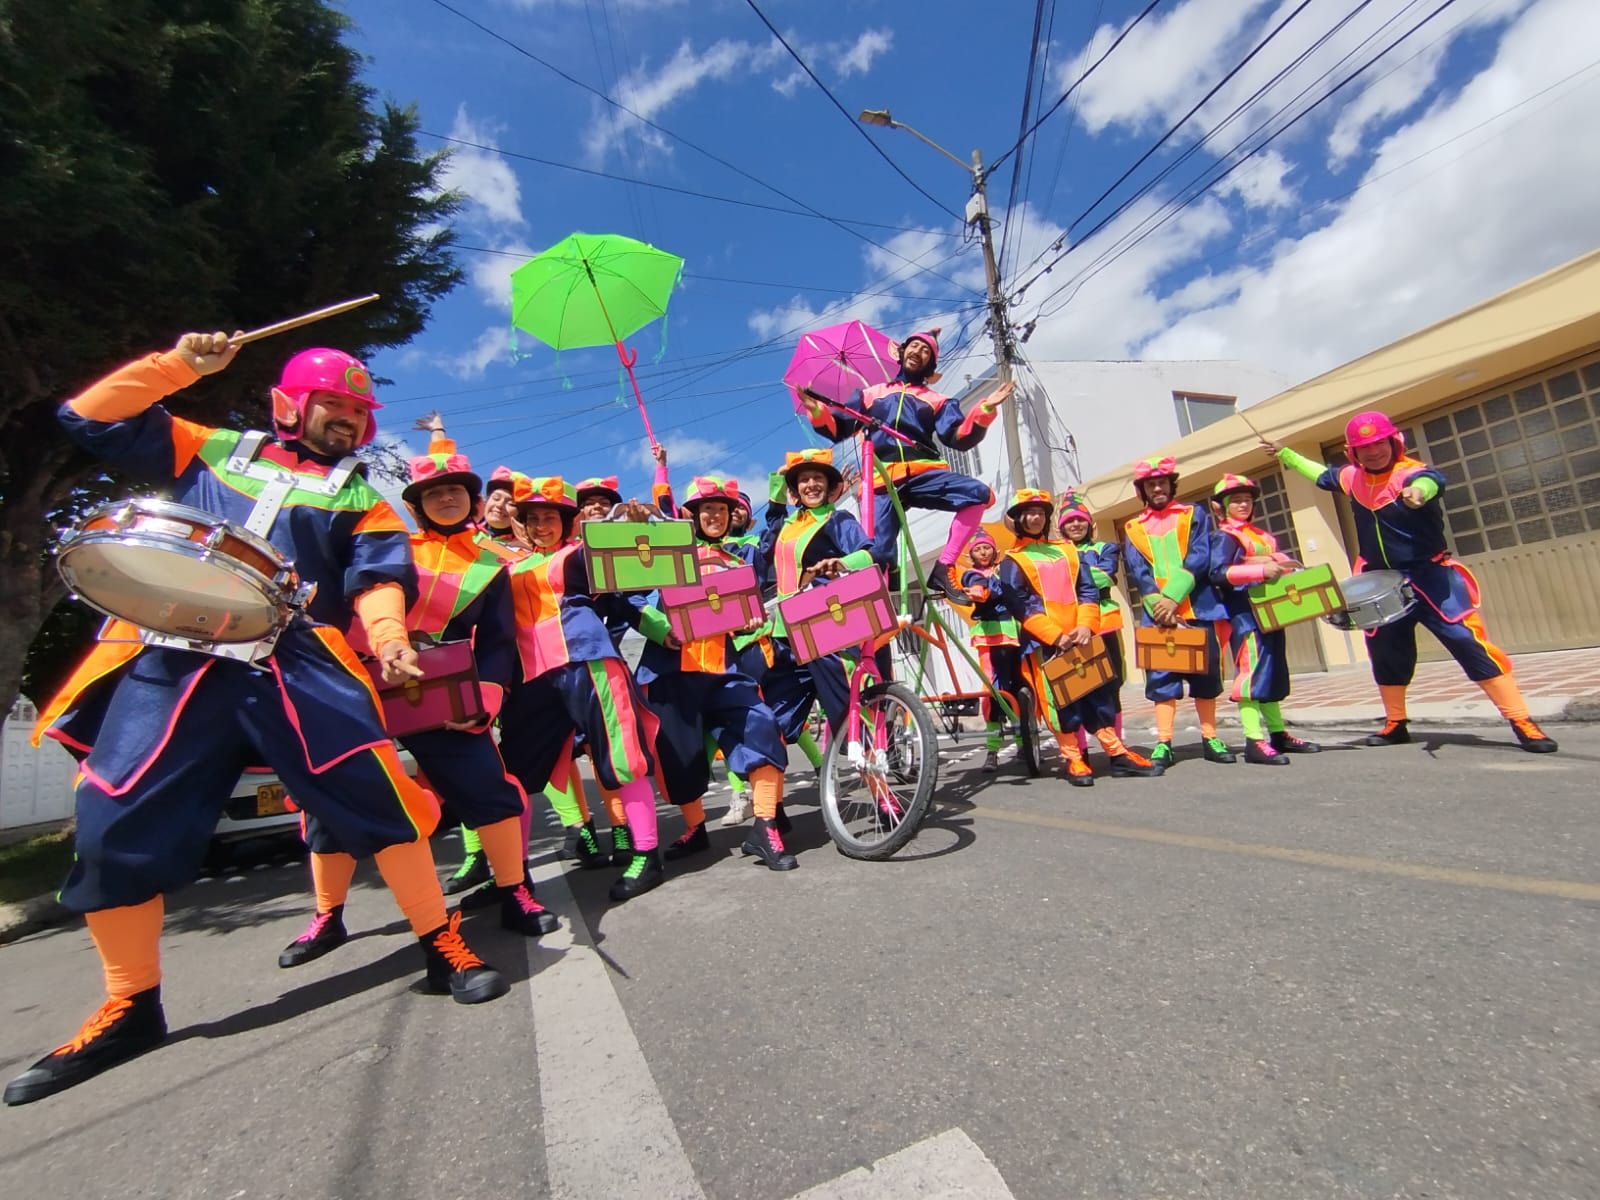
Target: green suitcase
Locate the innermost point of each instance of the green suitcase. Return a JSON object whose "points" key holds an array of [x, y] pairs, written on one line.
{"points": [[1302, 595], [639, 556]]}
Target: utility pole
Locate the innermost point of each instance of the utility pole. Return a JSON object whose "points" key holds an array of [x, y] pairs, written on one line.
{"points": [[999, 318]]}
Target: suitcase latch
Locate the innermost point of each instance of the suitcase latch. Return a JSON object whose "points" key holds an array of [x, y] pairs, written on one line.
{"points": [[836, 610], [714, 600], [645, 550]]}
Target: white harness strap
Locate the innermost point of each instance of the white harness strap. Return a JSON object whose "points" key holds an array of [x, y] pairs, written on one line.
{"points": [[278, 482]]}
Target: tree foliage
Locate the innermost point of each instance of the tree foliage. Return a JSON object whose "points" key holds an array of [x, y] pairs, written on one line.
{"points": [[168, 165]]}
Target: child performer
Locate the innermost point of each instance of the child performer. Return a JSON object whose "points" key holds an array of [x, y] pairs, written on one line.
{"points": [[1076, 523], [911, 408], [1168, 552], [1399, 521], [573, 680], [500, 511], [1059, 605], [698, 692], [1242, 555], [994, 636], [462, 597]]}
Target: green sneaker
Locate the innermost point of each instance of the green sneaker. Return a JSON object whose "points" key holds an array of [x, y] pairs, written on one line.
{"points": [[1162, 754], [474, 869], [1217, 751]]}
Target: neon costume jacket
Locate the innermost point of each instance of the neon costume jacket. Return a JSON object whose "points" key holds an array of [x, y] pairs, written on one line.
{"points": [[790, 544], [994, 623], [1103, 559], [1051, 590], [915, 411], [558, 619], [346, 544], [1168, 553], [1232, 545], [1390, 536], [463, 592], [713, 656]]}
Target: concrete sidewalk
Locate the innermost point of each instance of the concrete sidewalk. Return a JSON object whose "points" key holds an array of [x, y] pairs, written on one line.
{"points": [[1560, 685]]}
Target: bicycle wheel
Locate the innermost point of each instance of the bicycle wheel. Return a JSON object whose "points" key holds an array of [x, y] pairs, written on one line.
{"points": [[1027, 732], [873, 801]]}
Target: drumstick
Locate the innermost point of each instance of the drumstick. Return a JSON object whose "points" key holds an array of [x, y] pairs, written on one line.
{"points": [[333, 310]]}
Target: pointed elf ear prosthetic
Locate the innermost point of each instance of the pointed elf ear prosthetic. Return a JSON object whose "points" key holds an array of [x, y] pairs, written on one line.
{"points": [[285, 411]]}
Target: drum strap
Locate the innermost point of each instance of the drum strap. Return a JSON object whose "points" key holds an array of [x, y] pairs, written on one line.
{"points": [[278, 482]]}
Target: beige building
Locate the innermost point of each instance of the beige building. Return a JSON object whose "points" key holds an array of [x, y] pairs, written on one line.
{"points": [[1504, 399]]}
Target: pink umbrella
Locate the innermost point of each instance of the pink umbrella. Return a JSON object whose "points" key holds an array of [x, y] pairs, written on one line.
{"points": [[837, 361]]}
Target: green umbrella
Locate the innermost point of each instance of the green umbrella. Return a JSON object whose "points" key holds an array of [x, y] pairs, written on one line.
{"points": [[591, 289]]}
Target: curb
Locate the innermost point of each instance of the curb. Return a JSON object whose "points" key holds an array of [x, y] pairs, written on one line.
{"points": [[29, 916]]}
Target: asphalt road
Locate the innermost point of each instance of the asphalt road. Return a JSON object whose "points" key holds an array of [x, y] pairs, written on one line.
{"points": [[1371, 974]]}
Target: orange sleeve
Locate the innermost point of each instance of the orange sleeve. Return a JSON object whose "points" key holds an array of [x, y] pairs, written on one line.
{"points": [[1089, 614], [131, 389], [381, 518], [1044, 628], [382, 611]]}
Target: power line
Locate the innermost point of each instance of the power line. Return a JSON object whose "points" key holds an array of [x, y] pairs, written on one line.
{"points": [[854, 124], [665, 132], [1022, 125], [680, 191], [1076, 83]]}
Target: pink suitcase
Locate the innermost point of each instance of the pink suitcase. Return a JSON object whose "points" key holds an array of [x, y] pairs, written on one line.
{"points": [[447, 691], [839, 615], [722, 602]]}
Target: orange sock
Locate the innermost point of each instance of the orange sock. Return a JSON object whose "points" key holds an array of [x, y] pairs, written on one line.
{"points": [[577, 794], [1166, 718], [129, 941], [407, 868], [1394, 701], [1206, 710], [1507, 697], [614, 806], [766, 791], [330, 876], [1110, 742], [505, 850], [694, 813], [1069, 747]]}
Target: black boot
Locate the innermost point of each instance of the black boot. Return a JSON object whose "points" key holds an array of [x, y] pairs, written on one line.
{"points": [[454, 968], [1534, 740], [644, 873], [1393, 733], [781, 819], [940, 584], [1263, 754], [118, 1031], [474, 869], [583, 847], [485, 897], [1216, 750], [521, 913], [621, 846], [766, 843], [1285, 742], [693, 841], [1135, 766], [326, 933]]}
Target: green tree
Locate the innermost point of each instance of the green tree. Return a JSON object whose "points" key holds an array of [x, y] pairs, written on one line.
{"points": [[168, 165]]}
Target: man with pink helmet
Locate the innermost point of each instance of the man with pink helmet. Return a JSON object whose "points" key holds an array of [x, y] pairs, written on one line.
{"points": [[1399, 520], [162, 732]]}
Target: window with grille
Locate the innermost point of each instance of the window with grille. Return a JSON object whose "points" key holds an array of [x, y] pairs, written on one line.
{"points": [[1273, 515], [964, 462], [1522, 465], [1196, 411]]}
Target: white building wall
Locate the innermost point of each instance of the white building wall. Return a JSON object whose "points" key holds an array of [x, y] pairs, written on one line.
{"points": [[35, 785]]}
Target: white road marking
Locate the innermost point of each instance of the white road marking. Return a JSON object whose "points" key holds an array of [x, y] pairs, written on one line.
{"points": [[607, 1134], [948, 1166]]}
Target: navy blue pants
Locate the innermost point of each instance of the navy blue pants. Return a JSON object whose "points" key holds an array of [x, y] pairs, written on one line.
{"points": [[1169, 685], [1101, 707], [599, 699], [791, 688], [463, 769], [1393, 647], [144, 831], [943, 491], [1260, 662], [692, 705]]}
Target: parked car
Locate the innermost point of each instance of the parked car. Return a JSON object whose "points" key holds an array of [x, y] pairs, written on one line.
{"points": [[260, 808]]}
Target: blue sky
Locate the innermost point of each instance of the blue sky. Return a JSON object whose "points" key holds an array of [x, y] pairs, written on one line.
{"points": [[1459, 163]]}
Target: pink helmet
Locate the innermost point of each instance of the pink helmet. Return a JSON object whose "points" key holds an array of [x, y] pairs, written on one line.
{"points": [[1366, 428], [325, 370]]}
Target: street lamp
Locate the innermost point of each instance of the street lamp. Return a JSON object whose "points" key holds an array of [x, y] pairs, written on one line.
{"points": [[977, 214]]}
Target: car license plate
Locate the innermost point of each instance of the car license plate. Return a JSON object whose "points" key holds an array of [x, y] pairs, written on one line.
{"points": [[270, 799]]}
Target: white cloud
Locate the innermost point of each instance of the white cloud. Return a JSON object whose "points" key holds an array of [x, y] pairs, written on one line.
{"points": [[857, 60], [484, 176], [492, 345], [840, 59], [648, 92], [1452, 214], [1260, 182]]}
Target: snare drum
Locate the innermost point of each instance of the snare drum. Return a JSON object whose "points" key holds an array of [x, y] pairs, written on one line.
{"points": [[179, 571], [1373, 599]]}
